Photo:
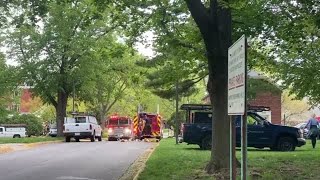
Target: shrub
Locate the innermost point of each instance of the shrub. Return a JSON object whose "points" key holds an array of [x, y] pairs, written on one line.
{"points": [[33, 123]]}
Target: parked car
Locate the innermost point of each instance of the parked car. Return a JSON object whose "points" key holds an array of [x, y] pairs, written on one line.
{"points": [[303, 129], [53, 130], [82, 127], [261, 133], [13, 130]]}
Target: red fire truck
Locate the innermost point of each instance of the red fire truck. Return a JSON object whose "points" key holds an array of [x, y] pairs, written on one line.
{"points": [[147, 125], [119, 127]]}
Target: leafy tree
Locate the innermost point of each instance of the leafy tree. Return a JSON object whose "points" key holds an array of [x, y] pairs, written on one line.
{"points": [[140, 94], [201, 32], [163, 78], [112, 71], [46, 114], [52, 55], [292, 47], [8, 81], [174, 26], [293, 110]]}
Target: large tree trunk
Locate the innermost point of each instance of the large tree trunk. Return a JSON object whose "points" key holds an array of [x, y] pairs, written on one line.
{"points": [[102, 115], [215, 27], [220, 132], [61, 111], [217, 45]]}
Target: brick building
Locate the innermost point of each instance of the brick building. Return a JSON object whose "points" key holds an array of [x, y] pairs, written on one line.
{"points": [[25, 100], [268, 99], [20, 100]]}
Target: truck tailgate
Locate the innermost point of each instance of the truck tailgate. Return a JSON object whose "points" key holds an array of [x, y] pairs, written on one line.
{"points": [[77, 127]]}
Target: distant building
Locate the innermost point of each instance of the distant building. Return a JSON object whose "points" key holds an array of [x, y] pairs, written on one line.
{"points": [[25, 100], [268, 99], [20, 100]]}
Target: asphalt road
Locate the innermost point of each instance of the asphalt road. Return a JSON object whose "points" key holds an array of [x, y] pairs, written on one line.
{"points": [[71, 161]]}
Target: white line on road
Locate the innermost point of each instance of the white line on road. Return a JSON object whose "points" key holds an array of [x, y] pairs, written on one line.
{"points": [[75, 178]]}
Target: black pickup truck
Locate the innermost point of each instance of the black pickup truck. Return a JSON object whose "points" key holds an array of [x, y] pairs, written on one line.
{"points": [[261, 133]]}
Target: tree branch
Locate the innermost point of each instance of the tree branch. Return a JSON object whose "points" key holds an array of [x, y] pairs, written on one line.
{"points": [[122, 89], [21, 49], [52, 100], [200, 15]]}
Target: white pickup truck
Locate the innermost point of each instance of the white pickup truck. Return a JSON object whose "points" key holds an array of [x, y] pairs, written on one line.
{"points": [[13, 130], [82, 127]]}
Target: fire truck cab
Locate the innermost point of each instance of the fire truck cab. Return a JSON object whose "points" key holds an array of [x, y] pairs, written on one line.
{"points": [[119, 127], [147, 125]]}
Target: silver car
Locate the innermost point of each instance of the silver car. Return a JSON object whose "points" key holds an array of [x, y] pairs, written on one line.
{"points": [[303, 129]]}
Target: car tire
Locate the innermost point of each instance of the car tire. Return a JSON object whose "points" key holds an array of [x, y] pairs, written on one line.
{"points": [[206, 143], [16, 136], [67, 139], [93, 137], [100, 138], [77, 139], [286, 144]]}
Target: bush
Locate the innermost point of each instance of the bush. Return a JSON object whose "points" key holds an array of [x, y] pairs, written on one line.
{"points": [[34, 125]]}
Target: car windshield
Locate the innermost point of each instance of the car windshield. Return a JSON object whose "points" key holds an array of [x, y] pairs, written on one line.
{"points": [[202, 117], [81, 119], [123, 121], [113, 122], [301, 125], [53, 126], [258, 119]]}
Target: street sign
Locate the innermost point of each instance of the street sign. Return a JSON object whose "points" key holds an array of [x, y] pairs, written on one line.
{"points": [[237, 77], [237, 104]]}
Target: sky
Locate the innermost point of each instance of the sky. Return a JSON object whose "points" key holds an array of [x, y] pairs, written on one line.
{"points": [[147, 48]]}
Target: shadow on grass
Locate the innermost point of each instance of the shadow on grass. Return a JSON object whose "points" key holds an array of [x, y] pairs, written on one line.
{"points": [[250, 150], [194, 149], [268, 150]]}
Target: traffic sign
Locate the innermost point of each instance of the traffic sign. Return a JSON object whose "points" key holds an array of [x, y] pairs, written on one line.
{"points": [[237, 77], [237, 104]]}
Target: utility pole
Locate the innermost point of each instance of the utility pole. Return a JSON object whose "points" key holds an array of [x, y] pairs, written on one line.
{"points": [[177, 111]]}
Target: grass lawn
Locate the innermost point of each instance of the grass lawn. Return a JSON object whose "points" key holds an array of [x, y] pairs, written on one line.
{"points": [[170, 161], [29, 139]]}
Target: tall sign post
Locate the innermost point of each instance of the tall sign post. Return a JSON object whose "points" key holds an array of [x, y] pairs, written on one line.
{"points": [[237, 103], [177, 112]]}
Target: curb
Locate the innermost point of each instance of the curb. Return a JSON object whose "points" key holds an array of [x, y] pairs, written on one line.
{"points": [[133, 172], [7, 148], [30, 145]]}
